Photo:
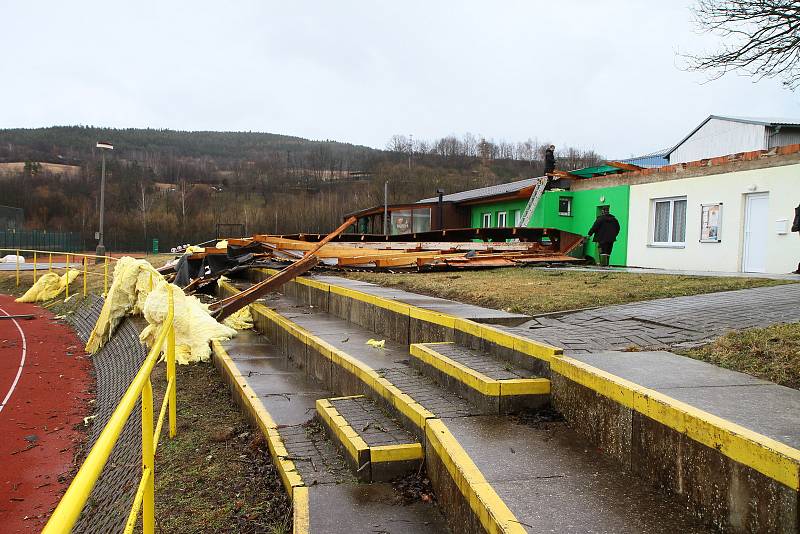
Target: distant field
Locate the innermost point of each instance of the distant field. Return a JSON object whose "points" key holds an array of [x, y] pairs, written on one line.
{"points": [[8, 169]]}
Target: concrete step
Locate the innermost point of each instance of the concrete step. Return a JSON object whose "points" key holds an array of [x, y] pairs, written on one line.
{"points": [[495, 386], [377, 448], [281, 400], [489, 471]]}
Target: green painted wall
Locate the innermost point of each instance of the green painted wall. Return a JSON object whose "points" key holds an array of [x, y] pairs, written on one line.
{"points": [[585, 207]]}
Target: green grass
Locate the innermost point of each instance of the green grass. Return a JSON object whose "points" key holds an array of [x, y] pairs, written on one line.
{"points": [[771, 353], [533, 291]]}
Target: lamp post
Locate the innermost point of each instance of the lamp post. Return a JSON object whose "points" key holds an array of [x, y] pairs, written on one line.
{"points": [[101, 249]]}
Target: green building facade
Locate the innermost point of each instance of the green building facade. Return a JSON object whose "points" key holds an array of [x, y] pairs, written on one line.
{"points": [[571, 211]]}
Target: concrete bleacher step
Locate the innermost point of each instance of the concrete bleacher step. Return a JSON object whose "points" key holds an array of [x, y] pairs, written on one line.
{"points": [[376, 447], [495, 386]]}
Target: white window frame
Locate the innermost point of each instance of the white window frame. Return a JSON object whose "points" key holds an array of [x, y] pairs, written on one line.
{"points": [[567, 213], [486, 220], [502, 215], [652, 236]]}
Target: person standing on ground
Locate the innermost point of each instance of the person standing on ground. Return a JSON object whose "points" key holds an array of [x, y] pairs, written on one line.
{"points": [[796, 228], [605, 231]]}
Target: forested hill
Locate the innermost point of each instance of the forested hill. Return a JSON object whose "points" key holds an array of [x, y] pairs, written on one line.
{"points": [[75, 144], [177, 186]]}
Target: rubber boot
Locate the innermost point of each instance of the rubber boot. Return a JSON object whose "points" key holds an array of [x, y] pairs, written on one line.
{"points": [[604, 260]]}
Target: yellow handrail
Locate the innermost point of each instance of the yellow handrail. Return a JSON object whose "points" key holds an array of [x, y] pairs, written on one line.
{"points": [[85, 262], [72, 503]]}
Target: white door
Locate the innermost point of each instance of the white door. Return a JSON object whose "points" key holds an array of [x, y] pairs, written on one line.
{"points": [[756, 230]]}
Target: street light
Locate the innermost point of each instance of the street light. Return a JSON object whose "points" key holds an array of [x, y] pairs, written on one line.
{"points": [[101, 249]]}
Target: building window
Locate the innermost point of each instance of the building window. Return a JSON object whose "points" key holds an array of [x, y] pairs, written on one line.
{"points": [[565, 206], [421, 220], [517, 217], [669, 221], [487, 220], [502, 217], [400, 222]]}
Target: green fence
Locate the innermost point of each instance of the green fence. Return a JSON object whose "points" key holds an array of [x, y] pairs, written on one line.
{"points": [[41, 240]]}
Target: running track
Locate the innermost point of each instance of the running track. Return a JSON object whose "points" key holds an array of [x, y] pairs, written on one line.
{"points": [[45, 385]]}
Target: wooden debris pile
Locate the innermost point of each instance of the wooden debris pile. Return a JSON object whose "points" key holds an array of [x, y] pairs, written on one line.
{"points": [[463, 248]]}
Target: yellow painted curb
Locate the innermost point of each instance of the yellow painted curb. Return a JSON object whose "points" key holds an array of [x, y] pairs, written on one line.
{"points": [[767, 456], [252, 404], [475, 380], [490, 509], [396, 453], [345, 434], [300, 512]]}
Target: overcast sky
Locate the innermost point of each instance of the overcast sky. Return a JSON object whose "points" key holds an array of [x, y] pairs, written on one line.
{"points": [[594, 74]]}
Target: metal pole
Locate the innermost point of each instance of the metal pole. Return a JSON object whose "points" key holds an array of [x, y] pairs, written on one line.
{"points": [[85, 273], [171, 375], [148, 460], [17, 268], [34, 267], [101, 249], [386, 208], [67, 279], [105, 276]]}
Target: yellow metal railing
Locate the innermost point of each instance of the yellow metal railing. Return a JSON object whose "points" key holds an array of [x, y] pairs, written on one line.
{"points": [[72, 503], [83, 263]]}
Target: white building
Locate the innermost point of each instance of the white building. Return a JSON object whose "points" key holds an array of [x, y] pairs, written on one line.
{"points": [[728, 221], [720, 135]]}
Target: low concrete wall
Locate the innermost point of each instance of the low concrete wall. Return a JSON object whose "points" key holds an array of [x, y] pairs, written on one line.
{"points": [[736, 479]]}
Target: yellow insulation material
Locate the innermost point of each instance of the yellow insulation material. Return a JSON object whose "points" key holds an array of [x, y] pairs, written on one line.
{"points": [[240, 320], [49, 286], [222, 244], [192, 249], [194, 326], [132, 283]]}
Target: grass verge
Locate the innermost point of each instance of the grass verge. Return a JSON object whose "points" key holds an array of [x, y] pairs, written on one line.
{"points": [[216, 475], [533, 291], [771, 353]]}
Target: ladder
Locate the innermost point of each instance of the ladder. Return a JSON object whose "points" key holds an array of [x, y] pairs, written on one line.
{"points": [[536, 196]]}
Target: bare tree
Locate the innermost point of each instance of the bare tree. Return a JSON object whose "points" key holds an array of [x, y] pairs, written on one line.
{"points": [[761, 38]]}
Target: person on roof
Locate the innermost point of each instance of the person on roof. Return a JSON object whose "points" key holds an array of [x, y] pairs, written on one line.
{"points": [[550, 159], [605, 231], [550, 166]]}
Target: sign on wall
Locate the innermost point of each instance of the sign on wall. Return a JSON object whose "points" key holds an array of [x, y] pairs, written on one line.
{"points": [[710, 223]]}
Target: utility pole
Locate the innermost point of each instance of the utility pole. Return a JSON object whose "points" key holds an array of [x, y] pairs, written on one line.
{"points": [[410, 148], [101, 249], [386, 207]]}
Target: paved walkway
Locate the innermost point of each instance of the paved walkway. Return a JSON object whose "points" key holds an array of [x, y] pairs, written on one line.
{"points": [[642, 270], [666, 322]]}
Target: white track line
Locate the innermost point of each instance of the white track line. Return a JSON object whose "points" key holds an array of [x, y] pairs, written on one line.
{"points": [[21, 361]]}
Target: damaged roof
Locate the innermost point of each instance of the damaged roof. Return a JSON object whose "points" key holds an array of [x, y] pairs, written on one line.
{"points": [[492, 190]]}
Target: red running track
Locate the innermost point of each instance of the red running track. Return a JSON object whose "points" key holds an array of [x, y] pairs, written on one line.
{"points": [[45, 388]]}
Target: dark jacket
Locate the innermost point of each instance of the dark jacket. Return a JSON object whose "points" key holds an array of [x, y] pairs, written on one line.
{"points": [[549, 161], [605, 229], [796, 223]]}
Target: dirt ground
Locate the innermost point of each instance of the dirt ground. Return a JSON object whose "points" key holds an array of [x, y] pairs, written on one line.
{"points": [[217, 474]]}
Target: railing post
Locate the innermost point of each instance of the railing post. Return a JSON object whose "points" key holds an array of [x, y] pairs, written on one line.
{"points": [[105, 277], [85, 274], [148, 460], [171, 375], [17, 261], [34, 267], [66, 295]]}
